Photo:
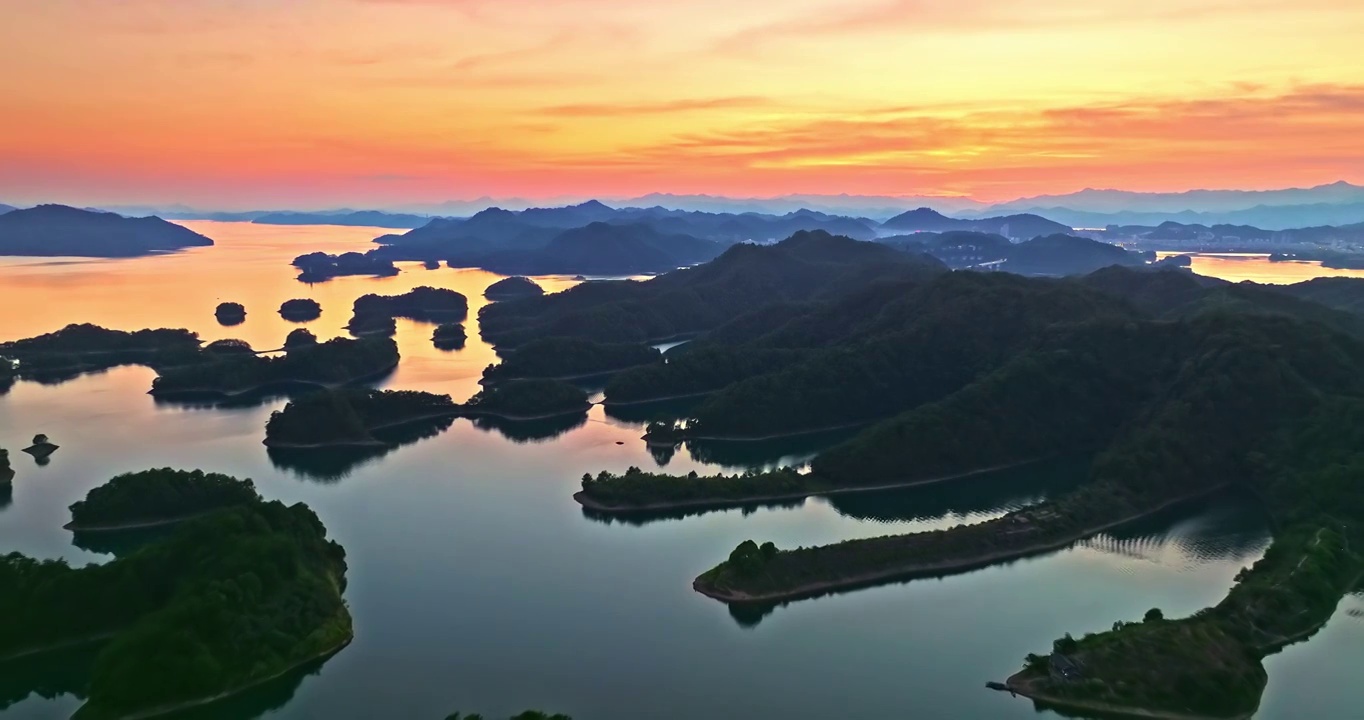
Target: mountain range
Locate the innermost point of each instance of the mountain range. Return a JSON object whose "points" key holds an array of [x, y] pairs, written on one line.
{"points": [[58, 230]]}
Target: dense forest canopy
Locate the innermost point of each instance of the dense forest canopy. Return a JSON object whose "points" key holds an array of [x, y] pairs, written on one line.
{"points": [[568, 357], [338, 361], [515, 399], [349, 416], [159, 495], [61, 231], [225, 602]]}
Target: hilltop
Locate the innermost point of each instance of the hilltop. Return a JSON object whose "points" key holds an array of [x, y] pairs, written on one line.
{"points": [[57, 230]]}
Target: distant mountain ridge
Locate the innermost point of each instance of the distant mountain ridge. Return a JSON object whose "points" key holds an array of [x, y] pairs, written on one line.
{"points": [[58, 231], [1022, 227]]}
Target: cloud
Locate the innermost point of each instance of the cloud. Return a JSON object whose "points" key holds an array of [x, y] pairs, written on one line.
{"points": [[657, 108]]}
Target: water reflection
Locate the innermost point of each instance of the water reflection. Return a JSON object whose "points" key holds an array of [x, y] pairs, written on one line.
{"points": [[531, 431], [6, 494], [331, 465], [644, 413], [49, 675], [120, 543]]}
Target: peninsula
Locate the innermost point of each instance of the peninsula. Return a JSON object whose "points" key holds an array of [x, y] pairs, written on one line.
{"points": [[233, 624], [513, 288], [320, 267], [159, 497], [527, 400], [77, 349], [61, 231], [330, 364], [568, 358], [351, 416]]}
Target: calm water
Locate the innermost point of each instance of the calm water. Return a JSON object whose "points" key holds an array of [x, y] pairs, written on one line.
{"points": [[477, 584], [1256, 267]]}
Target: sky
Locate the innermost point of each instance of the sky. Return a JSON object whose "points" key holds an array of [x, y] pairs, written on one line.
{"points": [[376, 103]]}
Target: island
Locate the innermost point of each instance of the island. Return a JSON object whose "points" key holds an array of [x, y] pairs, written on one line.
{"points": [[527, 400], [300, 310], [61, 231], [334, 363], [229, 346], [6, 472], [449, 336], [299, 338], [372, 325], [154, 498], [230, 313], [320, 267], [41, 447], [81, 348], [513, 288], [243, 595], [349, 417], [567, 358], [374, 314]]}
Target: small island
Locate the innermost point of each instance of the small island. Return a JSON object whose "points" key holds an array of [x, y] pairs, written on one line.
{"points": [[244, 595], [334, 363], [299, 338], [349, 417], [300, 310], [320, 267], [513, 288], [528, 400], [374, 314], [568, 358], [41, 447], [230, 313], [229, 347], [450, 336], [61, 231], [154, 498], [6, 472]]}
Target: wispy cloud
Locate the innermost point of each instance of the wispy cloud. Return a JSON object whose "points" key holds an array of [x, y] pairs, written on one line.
{"points": [[657, 108]]}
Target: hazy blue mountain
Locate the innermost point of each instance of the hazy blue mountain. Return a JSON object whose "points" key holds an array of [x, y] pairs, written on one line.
{"points": [[6, 208], [362, 218], [1278, 217], [58, 230], [1116, 201], [1066, 255], [606, 249], [1011, 226]]}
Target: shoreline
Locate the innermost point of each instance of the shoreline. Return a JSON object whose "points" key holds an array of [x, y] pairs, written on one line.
{"points": [[723, 503], [608, 402], [565, 378], [468, 413], [1020, 686], [453, 412], [775, 436], [814, 589], [190, 393], [177, 707], [139, 525], [64, 645]]}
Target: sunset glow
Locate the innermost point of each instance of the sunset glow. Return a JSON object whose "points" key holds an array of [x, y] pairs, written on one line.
{"points": [[273, 103]]}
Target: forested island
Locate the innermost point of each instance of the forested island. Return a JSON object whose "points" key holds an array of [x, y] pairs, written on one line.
{"points": [[81, 348], [374, 314], [527, 400], [240, 597], [60, 231], [158, 497], [299, 338], [330, 364], [449, 336], [568, 358], [300, 310], [230, 313], [513, 288], [320, 267], [350, 417]]}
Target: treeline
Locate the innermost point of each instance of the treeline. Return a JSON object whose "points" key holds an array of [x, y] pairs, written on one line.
{"points": [[334, 362], [227, 601], [744, 278], [349, 416], [527, 399], [568, 357], [695, 371], [159, 495], [81, 348], [636, 489]]}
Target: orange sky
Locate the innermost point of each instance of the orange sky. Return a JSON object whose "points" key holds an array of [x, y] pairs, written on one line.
{"points": [[274, 103]]}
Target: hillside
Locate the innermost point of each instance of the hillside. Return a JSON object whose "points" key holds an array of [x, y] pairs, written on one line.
{"points": [[603, 249], [1022, 226], [57, 231], [742, 279]]}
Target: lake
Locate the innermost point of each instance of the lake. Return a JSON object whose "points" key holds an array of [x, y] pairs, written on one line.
{"points": [[1256, 267], [477, 584]]}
